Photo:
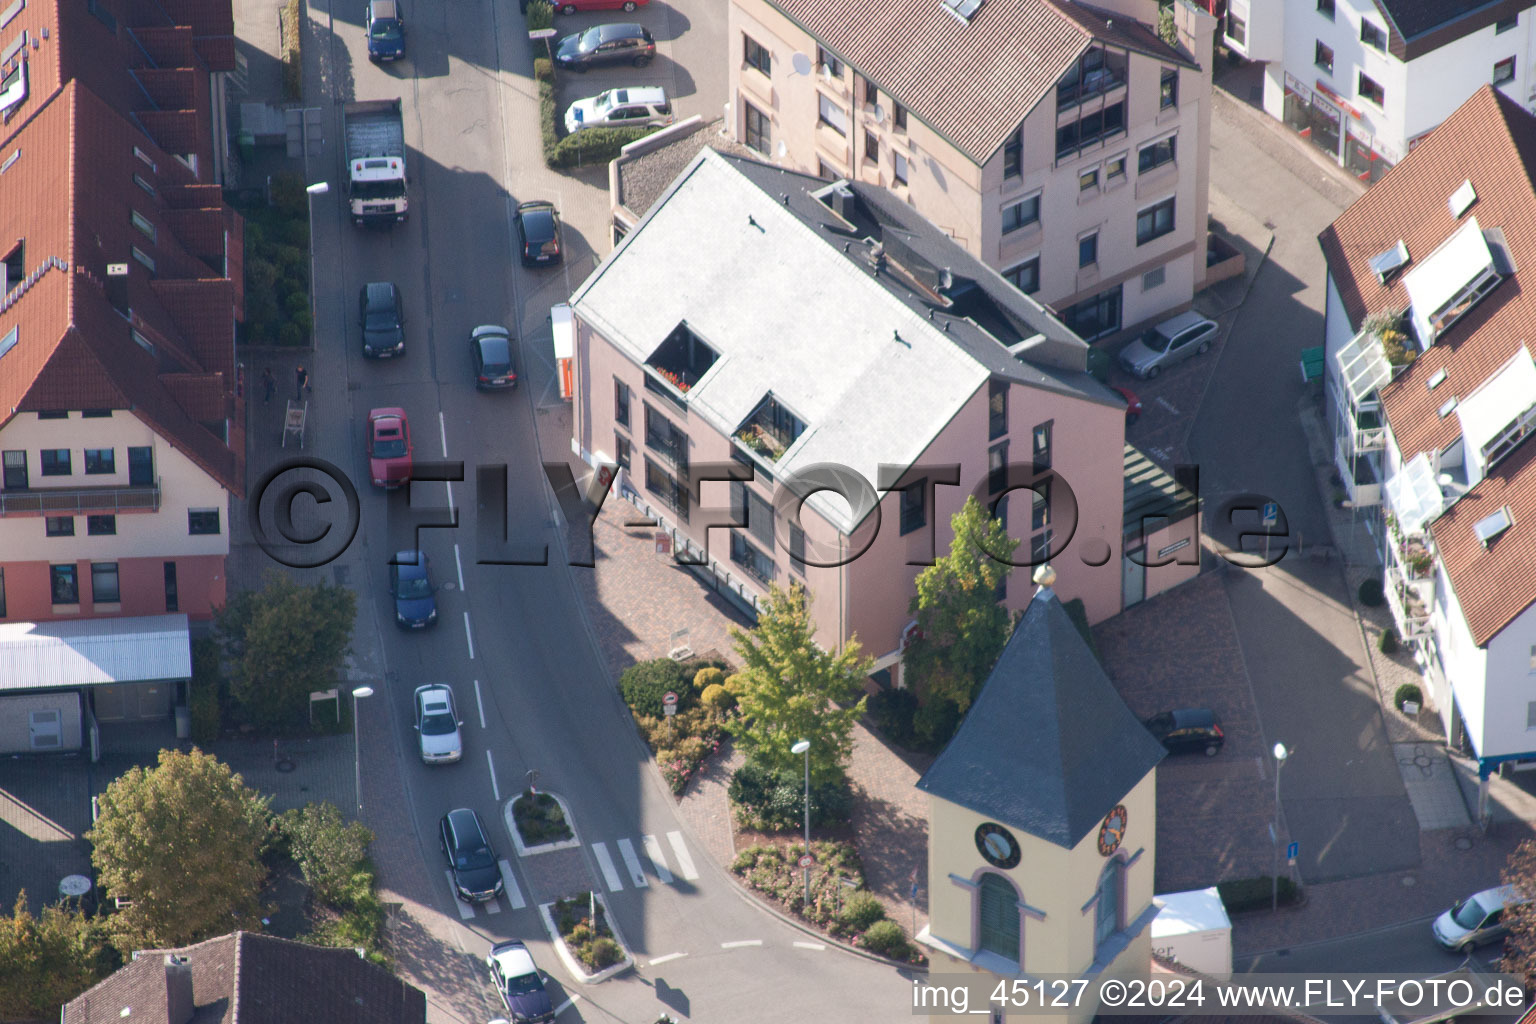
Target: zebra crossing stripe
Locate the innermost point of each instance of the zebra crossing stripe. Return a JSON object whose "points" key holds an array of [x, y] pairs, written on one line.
{"points": [[684, 861], [465, 910], [653, 851], [605, 861], [632, 864], [514, 894]]}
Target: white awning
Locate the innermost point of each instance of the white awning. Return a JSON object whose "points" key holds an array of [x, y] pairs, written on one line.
{"points": [[564, 330], [1496, 404], [1363, 367], [1413, 494], [38, 655]]}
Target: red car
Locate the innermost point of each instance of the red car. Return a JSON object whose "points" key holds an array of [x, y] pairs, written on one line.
{"points": [[572, 6], [1132, 405], [389, 448]]}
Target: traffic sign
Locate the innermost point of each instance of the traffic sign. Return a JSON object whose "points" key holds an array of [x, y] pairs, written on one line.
{"points": [[1292, 850], [1271, 513], [807, 860], [669, 698]]}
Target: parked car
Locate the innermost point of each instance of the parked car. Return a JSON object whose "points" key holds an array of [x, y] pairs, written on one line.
{"points": [[1188, 729], [385, 22], [389, 448], [572, 6], [1132, 405], [471, 858], [606, 44], [519, 983], [1475, 920], [620, 108], [382, 320], [1172, 341], [538, 233], [410, 584], [490, 348], [437, 724]]}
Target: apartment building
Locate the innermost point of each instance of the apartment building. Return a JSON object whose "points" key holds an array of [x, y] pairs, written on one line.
{"points": [[1063, 144], [1432, 386], [872, 355], [1365, 80]]}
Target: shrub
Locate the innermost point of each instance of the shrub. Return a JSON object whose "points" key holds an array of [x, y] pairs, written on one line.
{"points": [[775, 801], [887, 939], [717, 700], [935, 723], [593, 146], [861, 911], [1407, 692], [706, 677], [539, 15], [893, 712], [1388, 642], [539, 819], [1240, 894], [734, 683], [329, 851], [1371, 594], [645, 683], [602, 953]]}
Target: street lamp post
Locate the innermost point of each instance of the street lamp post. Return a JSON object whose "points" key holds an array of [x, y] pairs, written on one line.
{"points": [[804, 747], [1274, 884], [358, 692], [319, 188]]}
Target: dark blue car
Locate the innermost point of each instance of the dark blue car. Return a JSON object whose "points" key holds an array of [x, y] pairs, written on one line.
{"points": [[411, 587], [386, 30], [519, 983]]}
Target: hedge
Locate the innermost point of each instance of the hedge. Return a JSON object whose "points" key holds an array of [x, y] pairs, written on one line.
{"points": [[1240, 894], [770, 801]]}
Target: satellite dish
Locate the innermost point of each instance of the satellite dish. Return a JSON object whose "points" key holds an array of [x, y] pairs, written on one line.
{"points": [[780, 149], [879, 114], [801, 63]]}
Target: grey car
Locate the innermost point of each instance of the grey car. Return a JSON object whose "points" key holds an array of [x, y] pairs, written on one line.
{"points": [[1477, 919], [1172, 341]]}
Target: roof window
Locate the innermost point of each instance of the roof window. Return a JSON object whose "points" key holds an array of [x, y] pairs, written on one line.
{"points": [[1393, 259], [1490, 527], [1436, 380], [962, 10], [1462, 199]]}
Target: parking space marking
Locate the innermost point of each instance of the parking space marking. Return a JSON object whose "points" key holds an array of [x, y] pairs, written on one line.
{"points": [[810, 945], [684, 861], [653, 851], [605, 862], [668, 958], [469, 637], [566, 1005], [1160, 400], [460, 563], [740, 943], [514, 894], [479, 704], [632, 864], [490, 763], [466, 911], [442, 431]]}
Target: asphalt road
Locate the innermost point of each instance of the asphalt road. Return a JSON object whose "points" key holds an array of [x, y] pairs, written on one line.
{"points": [[1406, 948]]}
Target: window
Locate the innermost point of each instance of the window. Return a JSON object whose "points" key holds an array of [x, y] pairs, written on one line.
{"points": [[1154, 221], [104, 589], [1505, 24], [997, 917], [56, 462], [1533, 654], [898, 168], [620, 403], [622, 450], [59, 526], [1091, 129], [759, 135], [1168, 89], [202, 521], [871, 148], [96, 414], [139, 180], [1026, 276], [1088, 250], [1154, 278], [751, 508], [2, 591], [1107, 911], [997, 468], [997, 409], [832, 115], [66, 586], [141, 467], [141, 341], [172, 601], [1237, 29], [662, 435], [756, 55], [1530, 715], [144, 157], [100, 460], [1021, 214], [14, 268], [53, 414], [1097, 316], [666, 489], [1087, 180], [830, 65], [1013, 154], [1040, 505], [751, 561], [914, 507], [1373, 35], [1040, 445], [796, 552], [1114, 170], [871, 92], [1163, 151], [144, 258], [15, 470], [101, 526], [898, 117], [1322, 56], [1371, 90], [1504, 71], [144, 224], [1325, 8], [824, 170]]}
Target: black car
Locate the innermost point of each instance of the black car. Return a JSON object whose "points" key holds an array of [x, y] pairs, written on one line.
{"points": [[410, 584], [538, 230], [490, 349], [1187, 730], [386, 30], [476, 875], [382, 320], [606, 44]]}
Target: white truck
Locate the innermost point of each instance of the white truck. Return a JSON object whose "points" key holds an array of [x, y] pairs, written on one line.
{"points": [[376, 181]]}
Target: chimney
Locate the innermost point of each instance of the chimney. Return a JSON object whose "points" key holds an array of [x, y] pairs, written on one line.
{"points": [[178, 989], [842, 201], [117, 287]]}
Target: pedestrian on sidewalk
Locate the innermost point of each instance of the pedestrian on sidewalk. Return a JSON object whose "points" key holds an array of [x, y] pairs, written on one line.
{"points": [[268, 386], [301, 379]]}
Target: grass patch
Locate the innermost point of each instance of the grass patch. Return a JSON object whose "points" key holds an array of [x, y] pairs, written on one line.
{"points": [[586, 934], [539, 819]]}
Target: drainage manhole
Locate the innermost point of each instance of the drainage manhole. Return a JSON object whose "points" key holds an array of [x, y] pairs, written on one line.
{"points": [[1463, 843], [1409, 881], [285, 765]]}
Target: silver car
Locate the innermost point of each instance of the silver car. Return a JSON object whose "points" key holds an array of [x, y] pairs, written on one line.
{"points": [[437, 724], [1476, 919], [1172, 341]]}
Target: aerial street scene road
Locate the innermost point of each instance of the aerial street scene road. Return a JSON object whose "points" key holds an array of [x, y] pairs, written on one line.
{"points": [[654, 511]]}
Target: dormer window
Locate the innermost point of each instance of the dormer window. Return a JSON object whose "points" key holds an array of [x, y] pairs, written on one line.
{"points": [[680, 360], [771, 429], [1451, 280], [1509, 437]]}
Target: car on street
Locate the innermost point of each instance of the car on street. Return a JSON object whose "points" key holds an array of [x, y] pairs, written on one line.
{"points": [[490, 348], [437, 724], [620, 108], [386, 30], [389, 448], [1187, 730], [572, 6], [1475, 920], [601, 45], [471, 858], [1132, 405], [1172, 341], [382, 320], [519, 983], [538, 233], [410, 584]]}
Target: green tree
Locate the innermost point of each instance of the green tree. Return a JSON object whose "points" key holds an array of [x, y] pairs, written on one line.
{"points": [[328, 850], [791, 688], [183, 841], [46, 961], [963, 626], [285, 641]]}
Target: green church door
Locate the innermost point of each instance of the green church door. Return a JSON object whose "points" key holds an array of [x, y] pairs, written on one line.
{"points": [[999, 917]]}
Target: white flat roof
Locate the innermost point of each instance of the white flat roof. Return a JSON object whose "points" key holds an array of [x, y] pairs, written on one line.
{"points": [[38, 655], [1186, 913]]}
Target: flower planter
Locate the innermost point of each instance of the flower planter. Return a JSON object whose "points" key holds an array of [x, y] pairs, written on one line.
{"points": [[525, 850], [568, 958]]}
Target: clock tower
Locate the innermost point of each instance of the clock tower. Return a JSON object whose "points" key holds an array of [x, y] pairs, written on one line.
{"points": [[1042, 821]]}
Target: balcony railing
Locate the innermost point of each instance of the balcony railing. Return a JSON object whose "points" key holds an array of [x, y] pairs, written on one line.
{"points": [[1410, 601], [107, 500]]}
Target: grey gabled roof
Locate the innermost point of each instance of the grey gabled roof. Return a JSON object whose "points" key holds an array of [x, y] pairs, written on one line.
{"points": [[1048, 746]]}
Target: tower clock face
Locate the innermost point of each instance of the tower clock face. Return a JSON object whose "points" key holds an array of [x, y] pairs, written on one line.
{"points": [[1113, 830], [997, 845]]}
